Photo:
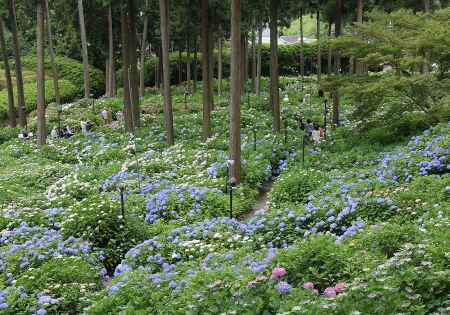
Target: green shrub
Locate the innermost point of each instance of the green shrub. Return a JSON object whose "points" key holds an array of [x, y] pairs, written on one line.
{"points": [[68, 280], [7, 134], [71, 70], [386, 238], [67, 90], [99, 220], [293, 187], [320, 261]]}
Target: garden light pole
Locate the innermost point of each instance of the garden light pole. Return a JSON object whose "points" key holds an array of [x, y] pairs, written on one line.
{"points": [[254, 137], [325, 109], [122, 200], [303, 150]]}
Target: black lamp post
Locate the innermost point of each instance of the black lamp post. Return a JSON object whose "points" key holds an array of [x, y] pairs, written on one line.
{"points": [[232, 185], [325, 112], [303, 150], [285, 129], [254, 137], [122, 200], [93, 103]]}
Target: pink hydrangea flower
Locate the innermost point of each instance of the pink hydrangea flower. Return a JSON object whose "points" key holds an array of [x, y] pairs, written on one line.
{"points": [[339, 287], [277, 273], [330, 292], [308, 285]]}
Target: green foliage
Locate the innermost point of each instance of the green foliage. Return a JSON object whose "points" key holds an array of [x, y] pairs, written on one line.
{"points": [[100, 221], [70, 70], [294, 186], [67, 90], [69, 280], [288, 58]]}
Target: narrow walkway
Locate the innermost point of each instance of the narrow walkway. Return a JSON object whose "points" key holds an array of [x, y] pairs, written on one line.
{"points": [[261, 201]]}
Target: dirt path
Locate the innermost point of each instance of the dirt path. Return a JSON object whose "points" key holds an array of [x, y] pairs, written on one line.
{"points": [[261, 201]]}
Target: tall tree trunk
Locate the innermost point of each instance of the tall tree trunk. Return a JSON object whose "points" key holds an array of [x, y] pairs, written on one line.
{"points": [[160, 72], [143, 54], [243, 80], [188, 65], [220, 65], [168, 114], [18, 65], [112, 69], [195, 65], [259, 61], [134, 75], [319, 52], [107, 81], [84, 51], [113, 76], [211, 67], [127, 108], [274, 79], [302, 49], [235, 108], [157, 72], [246, 58], [426, 68], [336, 97], [330, 52], [359, 19], [180, 68], [55, 73], [254, 61], [205, 69], [9, 86], [40, 75]]}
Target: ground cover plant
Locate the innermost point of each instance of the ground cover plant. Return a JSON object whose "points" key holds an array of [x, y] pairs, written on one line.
{"points": [[198, 157], [335, 224]]}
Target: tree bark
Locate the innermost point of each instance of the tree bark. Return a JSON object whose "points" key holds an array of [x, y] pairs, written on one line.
{"points": [[205, 69], [134, 75], [84, 51], [319, 52], [302, 49], [195, 65], [426, 68], [274, 79], [211, 67], [235, 108], [337, 63], [330, 52], [219, 66], [112, 70], [160, 72], [259, 62], [254, 61], [426, 5], [127, 108], [180, 69], [143, 54], [107, 76], [246, 58], [168, 114], [242, 72], [51, 49], [359, 67], [9, 86], [188, 66], [40, 75], [18, 65]]}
